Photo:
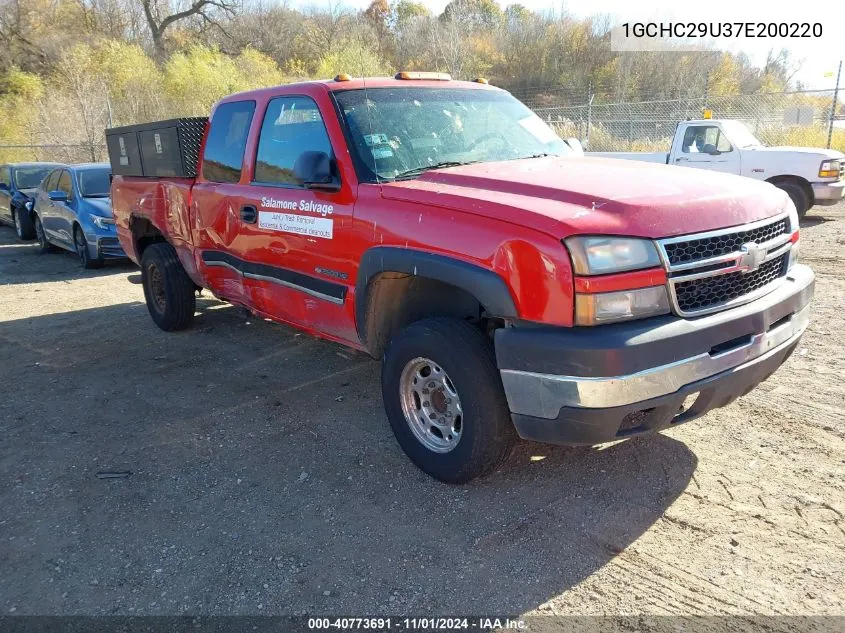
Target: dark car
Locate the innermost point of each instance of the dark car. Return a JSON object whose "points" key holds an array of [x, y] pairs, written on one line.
{"points": [[18, 182], [73, 211]]}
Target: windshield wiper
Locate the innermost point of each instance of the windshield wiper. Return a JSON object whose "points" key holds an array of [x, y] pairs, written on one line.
{"points": [[416, 171], [96, 195]]}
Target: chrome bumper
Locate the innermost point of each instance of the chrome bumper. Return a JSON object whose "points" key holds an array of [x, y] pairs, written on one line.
{"points": [[830, 192], [543, 395]]}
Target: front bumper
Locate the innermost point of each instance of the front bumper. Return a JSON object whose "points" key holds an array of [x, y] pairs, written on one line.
{"points": [[109, 248], [827, 193], [592, 385]]}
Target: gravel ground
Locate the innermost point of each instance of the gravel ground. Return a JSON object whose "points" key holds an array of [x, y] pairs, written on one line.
{"points": [[265, 480]]}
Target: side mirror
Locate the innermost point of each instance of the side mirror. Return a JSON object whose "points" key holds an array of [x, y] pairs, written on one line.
{"points": [[315, 171], [57, 196], [709, 148], [4, 186]]}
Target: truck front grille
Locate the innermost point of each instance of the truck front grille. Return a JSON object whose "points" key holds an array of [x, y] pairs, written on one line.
{"points": [[701, 294], [713, 271], [716, 245]]}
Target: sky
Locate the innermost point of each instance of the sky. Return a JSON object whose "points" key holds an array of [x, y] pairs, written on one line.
{"points": [[818, 57]]}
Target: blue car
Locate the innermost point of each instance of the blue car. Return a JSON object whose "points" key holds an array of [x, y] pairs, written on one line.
{"points": [[73, 211], [18, 183]]}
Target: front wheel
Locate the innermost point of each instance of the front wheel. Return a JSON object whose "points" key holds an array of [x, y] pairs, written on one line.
{"points": [[83, 253], [444, 399], [168, 290], [798, 196]]}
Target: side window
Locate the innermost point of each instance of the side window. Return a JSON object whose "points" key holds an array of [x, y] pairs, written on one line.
{"points": [[5, 177], [292, 125], [64, 184], [224, 148], [696, 137], [51, 182]]}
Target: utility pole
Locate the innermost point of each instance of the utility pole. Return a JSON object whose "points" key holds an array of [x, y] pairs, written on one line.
{"points": [[833, 105]]}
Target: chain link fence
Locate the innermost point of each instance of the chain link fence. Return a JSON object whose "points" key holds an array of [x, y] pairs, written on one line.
{"points": [[791, 118]]}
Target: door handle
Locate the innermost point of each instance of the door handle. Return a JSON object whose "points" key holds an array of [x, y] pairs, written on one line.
{"points": [[680, 159], [249, 214]]}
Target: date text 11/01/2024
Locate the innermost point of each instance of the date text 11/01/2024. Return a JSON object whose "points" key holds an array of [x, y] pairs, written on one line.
{"points": [[417, 624]]}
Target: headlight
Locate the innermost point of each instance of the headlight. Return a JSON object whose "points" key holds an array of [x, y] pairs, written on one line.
{"points": [[28, 205], [793, 229], [602, 255], [101, 222], [607, 307], [829, 169], [793, 215]]}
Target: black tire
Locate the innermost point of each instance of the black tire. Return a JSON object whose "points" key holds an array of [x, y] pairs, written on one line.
{"points": [[798, 196], [466, 356], [23, 225], [169, 292], [81, 244], [44, 246]]}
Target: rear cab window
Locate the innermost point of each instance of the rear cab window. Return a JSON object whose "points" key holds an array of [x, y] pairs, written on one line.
{"points": [[223, 157], [5, 176], [292, 125]]}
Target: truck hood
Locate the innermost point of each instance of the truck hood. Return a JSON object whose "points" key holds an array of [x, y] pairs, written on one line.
{"points": [[563, 196], [823, 154]]}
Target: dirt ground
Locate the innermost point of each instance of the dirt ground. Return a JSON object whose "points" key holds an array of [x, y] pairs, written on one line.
{"points": [[265, 479]]}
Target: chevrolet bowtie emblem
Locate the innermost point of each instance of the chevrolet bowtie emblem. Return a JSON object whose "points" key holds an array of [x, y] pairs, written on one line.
{"points": [[751, 256]]}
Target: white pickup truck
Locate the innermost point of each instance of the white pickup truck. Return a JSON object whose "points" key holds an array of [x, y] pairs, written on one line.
{"points": [[811, 176]]}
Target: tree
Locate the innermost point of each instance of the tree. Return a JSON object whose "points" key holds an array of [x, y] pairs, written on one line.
{"points": [[161, 15]]}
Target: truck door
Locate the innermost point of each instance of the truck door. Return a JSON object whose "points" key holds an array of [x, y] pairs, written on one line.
{"points": [[264, 239], [705, 146], [299, 235]]}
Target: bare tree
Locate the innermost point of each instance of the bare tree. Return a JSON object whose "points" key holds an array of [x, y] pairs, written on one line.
{"points": [[162, 14]]}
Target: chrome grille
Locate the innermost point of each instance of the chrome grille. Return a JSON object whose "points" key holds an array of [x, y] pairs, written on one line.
{"points": [[713, 246], [716, 270], [707, 292]]}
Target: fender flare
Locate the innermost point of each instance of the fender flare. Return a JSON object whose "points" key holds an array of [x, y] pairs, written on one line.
{"points": [[486, 286]]}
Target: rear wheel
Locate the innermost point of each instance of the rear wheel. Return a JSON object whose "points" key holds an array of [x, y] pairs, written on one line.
{"points": [[169, 292], [44, 245], [798, 196], [444, 399], [82, 251]]}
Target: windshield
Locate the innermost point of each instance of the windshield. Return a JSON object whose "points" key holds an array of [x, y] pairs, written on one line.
{"points": [[401, 132], [739, 135], [30, 177], [94, 183]]}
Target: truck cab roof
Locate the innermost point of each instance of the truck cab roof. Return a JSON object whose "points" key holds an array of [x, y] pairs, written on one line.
{"points": [[355, 83]]}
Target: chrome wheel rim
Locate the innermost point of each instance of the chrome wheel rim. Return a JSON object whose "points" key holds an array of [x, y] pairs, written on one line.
{"points": [[431, 405]]}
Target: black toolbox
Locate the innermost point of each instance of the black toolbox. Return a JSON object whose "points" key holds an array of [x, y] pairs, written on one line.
{"points": [[159, 149]]}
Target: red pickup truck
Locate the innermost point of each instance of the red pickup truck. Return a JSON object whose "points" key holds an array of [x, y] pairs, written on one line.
{"points": [[509, 286]]}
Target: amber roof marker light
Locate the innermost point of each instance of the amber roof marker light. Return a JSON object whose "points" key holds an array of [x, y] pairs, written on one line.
{"points": [[480, 80], [411, 75], [342, 77]]}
